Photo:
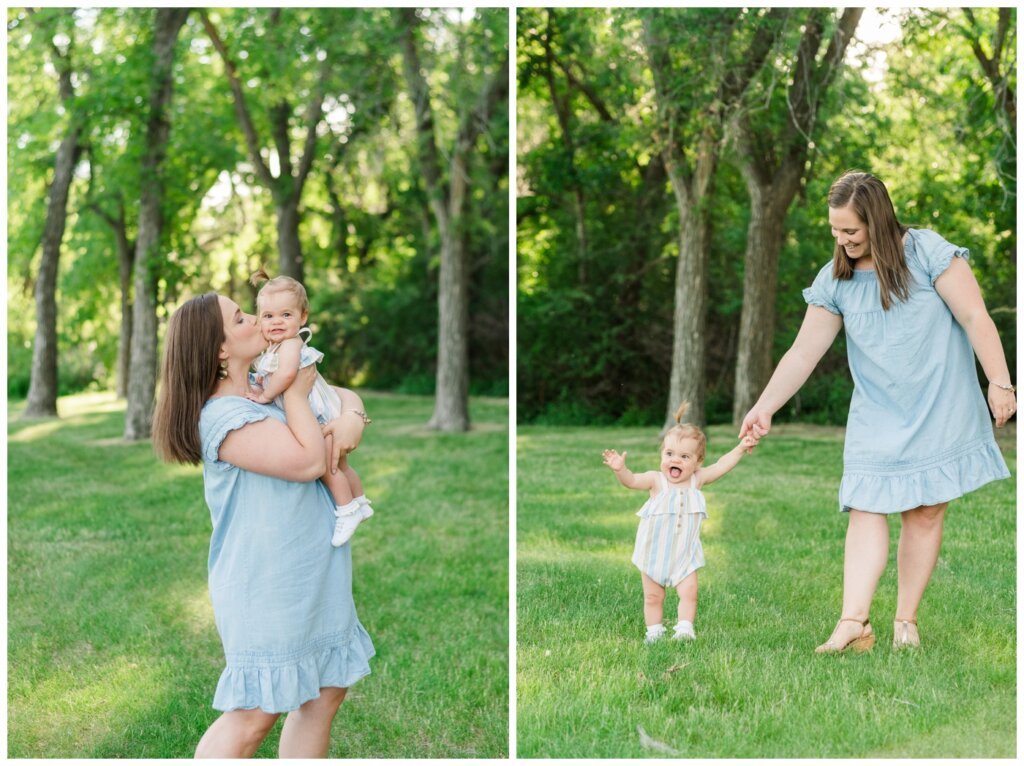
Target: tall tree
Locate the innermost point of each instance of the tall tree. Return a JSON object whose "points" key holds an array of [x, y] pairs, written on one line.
{"points": [[142, 383], [773, 147], [447, 200], [285, 188], [701, 69], [42, 392]]}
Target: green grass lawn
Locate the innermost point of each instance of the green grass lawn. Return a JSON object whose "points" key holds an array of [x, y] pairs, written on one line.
{"points": [[112, 649], [771, 591]]}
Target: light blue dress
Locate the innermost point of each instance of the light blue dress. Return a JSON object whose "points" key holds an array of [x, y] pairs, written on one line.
{"points": [[281, 593], [919, 431]]}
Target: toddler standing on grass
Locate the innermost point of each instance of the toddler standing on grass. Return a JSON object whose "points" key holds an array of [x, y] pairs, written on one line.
{"points": [[283, 308], [668, 550]]}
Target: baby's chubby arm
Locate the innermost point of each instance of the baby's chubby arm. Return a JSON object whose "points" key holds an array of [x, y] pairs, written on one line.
{"points": [[728, 461], [627, 478], [284, 376]]}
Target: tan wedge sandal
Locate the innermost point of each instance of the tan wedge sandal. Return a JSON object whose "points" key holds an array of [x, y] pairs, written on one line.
{"points": [[901, 638], [861, 643]]}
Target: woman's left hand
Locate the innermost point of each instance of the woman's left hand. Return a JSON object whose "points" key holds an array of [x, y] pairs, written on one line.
{"points": [[1002, 403], [345, 431]]}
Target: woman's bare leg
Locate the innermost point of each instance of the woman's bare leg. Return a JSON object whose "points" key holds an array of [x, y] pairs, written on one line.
{"points": [[236, 734], [867, 551], [918, 551], [307, 731]]}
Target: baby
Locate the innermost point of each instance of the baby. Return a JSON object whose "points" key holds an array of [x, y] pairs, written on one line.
{"points": [[668, 550], [283, 308]]}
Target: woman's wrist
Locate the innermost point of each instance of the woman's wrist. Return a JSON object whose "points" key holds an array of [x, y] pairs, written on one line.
{"points": [[360, 414], [1004, 386]]}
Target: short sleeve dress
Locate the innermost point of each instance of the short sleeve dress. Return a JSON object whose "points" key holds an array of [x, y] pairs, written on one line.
{"points": [[281, 593], [918, 431]]}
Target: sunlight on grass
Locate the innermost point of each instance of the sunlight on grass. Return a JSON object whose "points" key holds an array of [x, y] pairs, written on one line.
{"points": [[100, 401], [76, 708], [41, 430]]}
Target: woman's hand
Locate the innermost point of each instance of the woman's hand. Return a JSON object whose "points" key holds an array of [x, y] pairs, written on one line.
{"points": [[344, 432], [1002, 403], [756, 424]]}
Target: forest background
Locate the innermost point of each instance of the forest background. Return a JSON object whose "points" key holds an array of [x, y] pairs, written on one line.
{"points": [[156, 154], [673, 170]]}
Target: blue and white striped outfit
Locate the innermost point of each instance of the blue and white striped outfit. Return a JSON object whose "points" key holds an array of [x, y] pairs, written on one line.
{"points": [[323, 398], [668, 545]]}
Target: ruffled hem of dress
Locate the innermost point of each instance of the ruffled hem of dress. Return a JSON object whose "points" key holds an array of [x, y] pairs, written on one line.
{"points": [[280, 688], [895, 493]]}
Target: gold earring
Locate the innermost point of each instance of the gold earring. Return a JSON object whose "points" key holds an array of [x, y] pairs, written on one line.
{"points": [[222, 370]]}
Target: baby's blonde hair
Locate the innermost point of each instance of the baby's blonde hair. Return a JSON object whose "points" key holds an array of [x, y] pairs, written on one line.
{"points": [[683, 430], [280, 284]]}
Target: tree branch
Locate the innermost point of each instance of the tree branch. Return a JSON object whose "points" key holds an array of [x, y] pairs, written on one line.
{"points": [[313, 115], [241, 109], [426, 141]]}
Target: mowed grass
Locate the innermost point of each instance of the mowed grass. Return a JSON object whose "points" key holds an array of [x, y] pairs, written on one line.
{"points": [[112, 648], [771, 591]]}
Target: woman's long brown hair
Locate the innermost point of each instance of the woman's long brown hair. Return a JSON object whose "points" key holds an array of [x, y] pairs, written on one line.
{"points": [[870, 201], [195, 334]]}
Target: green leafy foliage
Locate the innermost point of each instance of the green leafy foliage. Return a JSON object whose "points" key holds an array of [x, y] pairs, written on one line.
{"points": [[594, 326], [370, 256]]}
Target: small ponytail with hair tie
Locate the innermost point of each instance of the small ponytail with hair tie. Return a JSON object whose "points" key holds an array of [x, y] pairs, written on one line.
{"points": [[681, 412], [259, 277]]}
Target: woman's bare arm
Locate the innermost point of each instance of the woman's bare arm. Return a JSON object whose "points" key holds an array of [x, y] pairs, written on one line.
{"points": [[293, 451]]}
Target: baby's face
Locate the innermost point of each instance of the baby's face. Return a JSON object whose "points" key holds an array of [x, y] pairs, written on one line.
{"points": [[679, 459], [280, 317]]}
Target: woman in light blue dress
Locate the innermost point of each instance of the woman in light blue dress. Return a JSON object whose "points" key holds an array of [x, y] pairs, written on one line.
{"points": [[282, 595], [918, 433]]}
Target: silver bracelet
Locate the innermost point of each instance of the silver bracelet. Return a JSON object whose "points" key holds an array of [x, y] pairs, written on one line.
{"points": [[366, 420], [1011, 388]]}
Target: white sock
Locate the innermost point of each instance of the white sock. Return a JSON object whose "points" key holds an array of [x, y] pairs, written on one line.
{"points": [[655, 630], [684, 625], [346, 510]]}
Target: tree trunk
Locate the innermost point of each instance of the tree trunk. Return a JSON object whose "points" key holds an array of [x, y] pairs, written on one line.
{"points": [[760, 279], [691, 296], [451, 401], [125, 260], [772, 182], [142, 380], [42, 390], [447, 202], [288, 246]]}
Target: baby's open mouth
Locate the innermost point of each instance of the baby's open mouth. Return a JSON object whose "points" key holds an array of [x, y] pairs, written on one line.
{"points": [[674, 472]]}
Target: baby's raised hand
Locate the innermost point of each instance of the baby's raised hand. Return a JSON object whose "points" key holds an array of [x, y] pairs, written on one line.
{"points": [[748, 442], [258, 398], [614, 460]]}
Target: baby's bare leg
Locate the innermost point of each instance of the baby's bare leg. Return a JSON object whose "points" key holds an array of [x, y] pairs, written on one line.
{"points": [[354, 483], [654, 600], [337, 483], [687, 590]]}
